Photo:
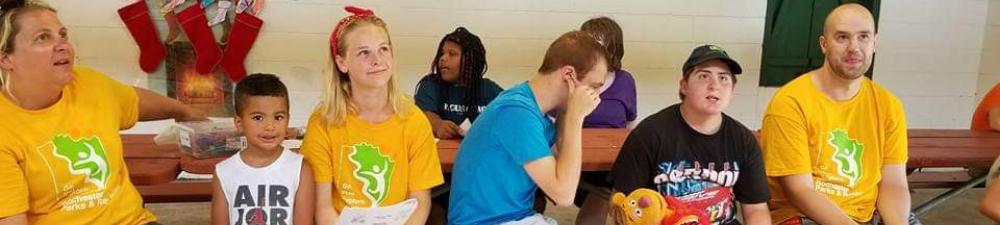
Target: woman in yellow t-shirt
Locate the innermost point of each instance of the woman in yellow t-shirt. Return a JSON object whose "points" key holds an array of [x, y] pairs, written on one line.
{"points": [[60, 151], [369, 145]]}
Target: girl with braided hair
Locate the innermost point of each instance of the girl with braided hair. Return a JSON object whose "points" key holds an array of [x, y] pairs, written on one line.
{"points": [[455, 90]]}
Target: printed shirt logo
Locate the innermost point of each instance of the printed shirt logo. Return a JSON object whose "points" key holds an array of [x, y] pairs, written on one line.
{"points": [[269, 205], [374, 170], [847, 154], [84, 157], [705, 188]]}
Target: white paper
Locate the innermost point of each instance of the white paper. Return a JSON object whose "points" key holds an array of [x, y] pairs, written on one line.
{"points": [[464, 127], [184, 175], [387, 215]]}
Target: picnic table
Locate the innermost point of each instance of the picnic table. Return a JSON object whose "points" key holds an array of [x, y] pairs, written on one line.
{"points": [[154, 169]]}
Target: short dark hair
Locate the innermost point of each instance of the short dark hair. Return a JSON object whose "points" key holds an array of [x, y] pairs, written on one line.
{"points": [[608, 33], [259, 84], [576, 49]]}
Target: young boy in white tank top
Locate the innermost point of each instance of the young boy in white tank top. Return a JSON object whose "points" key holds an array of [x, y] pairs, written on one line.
{"points": [[264, 183]]}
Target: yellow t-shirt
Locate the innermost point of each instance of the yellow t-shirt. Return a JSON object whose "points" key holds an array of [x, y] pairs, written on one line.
{"points": [[63, 164], [842, 144], [373, 164]]}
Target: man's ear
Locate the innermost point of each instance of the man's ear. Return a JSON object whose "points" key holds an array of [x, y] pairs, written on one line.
{"points": [[683, 87], [568, 72], [822, 44]]}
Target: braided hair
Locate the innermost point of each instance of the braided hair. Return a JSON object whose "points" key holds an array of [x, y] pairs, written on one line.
{"points": [[472, 68]]}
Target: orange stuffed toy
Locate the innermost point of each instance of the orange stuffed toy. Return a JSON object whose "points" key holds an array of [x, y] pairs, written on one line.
{"points": [[647, 207], [641, 207]]}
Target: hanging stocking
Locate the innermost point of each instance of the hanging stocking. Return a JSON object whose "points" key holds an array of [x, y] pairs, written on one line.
{"points": [[196, 27], [140, 25], [249, 6], [220, 14], [173, 27], [241, 38], [242, 5], [170, 5]]}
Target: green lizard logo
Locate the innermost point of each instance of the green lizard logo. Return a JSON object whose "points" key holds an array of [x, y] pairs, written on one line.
{"points": [[84, 157], [374, 170], [847, 155]]}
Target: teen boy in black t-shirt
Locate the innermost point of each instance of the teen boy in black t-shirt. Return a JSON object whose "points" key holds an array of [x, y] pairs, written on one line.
{"points": [[696, 154]]}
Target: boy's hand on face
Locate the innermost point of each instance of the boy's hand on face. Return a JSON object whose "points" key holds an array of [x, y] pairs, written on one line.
{"points": [[582, 99]]}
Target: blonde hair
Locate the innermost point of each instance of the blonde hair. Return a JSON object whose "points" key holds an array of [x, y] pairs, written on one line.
{"points": [[336, 103], [9, 29]]}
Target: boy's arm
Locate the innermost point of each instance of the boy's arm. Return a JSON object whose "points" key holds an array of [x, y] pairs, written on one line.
{"points": [[894, 195], [325, 213], [756, 214], [800, 192], [559, 176], [305, 197], [419, 216], [220, 208]]}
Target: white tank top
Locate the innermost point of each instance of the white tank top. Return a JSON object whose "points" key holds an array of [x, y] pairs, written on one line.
{"points": [[260, 196]]}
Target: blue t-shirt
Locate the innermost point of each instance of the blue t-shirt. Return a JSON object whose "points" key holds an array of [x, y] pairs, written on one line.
{"points": [[489, 183]]}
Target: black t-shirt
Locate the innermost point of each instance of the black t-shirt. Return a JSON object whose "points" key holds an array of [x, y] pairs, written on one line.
{"points": [[451, 106], [664, 153]]}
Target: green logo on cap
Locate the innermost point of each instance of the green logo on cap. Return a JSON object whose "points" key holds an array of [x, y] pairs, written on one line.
{"points": [[715, 48]]}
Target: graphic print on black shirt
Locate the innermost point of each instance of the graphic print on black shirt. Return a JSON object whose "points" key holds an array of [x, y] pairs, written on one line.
{"points": [[707, 173], [700, 187]]}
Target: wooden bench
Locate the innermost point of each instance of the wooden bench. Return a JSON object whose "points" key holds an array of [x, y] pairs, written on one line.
{"points": [[154, 168]]}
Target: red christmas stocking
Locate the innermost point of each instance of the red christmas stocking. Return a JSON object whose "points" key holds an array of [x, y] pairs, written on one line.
{"points": [[241, 38], [196, 27], [140, 25]]}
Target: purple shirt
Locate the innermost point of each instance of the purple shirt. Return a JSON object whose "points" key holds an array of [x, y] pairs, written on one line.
{"points": [[618, 106]]}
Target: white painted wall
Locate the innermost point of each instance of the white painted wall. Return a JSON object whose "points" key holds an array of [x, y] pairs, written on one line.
{"points": [[989, 65], [931, 52]]}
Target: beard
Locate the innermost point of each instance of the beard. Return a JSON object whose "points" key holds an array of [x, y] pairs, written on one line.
{"points": [[843, 71]]}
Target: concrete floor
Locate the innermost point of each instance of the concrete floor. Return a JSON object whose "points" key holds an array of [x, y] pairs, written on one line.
{"points": [[960, 210]]}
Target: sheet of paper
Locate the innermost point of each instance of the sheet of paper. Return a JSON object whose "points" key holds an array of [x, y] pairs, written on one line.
{"points": [[465, 127], [191, 176], [386, 215]]}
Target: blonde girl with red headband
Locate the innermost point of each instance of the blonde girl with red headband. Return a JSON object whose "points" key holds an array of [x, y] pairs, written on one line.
{"points": [[368, 143]]}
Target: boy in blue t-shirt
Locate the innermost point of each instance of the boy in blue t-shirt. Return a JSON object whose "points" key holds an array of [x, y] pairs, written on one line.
{"points": [[506, 155]]}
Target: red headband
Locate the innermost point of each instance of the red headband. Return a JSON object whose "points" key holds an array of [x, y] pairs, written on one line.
{"points": [[358, 13]]}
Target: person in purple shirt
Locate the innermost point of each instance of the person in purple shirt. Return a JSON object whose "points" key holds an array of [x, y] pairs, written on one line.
{"points": [[618, 107], [616, 110]]}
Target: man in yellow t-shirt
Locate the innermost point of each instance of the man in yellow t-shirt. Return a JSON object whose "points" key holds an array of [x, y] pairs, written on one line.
{"points": [[834, 142]]}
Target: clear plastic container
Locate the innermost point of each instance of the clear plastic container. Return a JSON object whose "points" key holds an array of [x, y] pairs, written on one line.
{"points": [[210, 139]]}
